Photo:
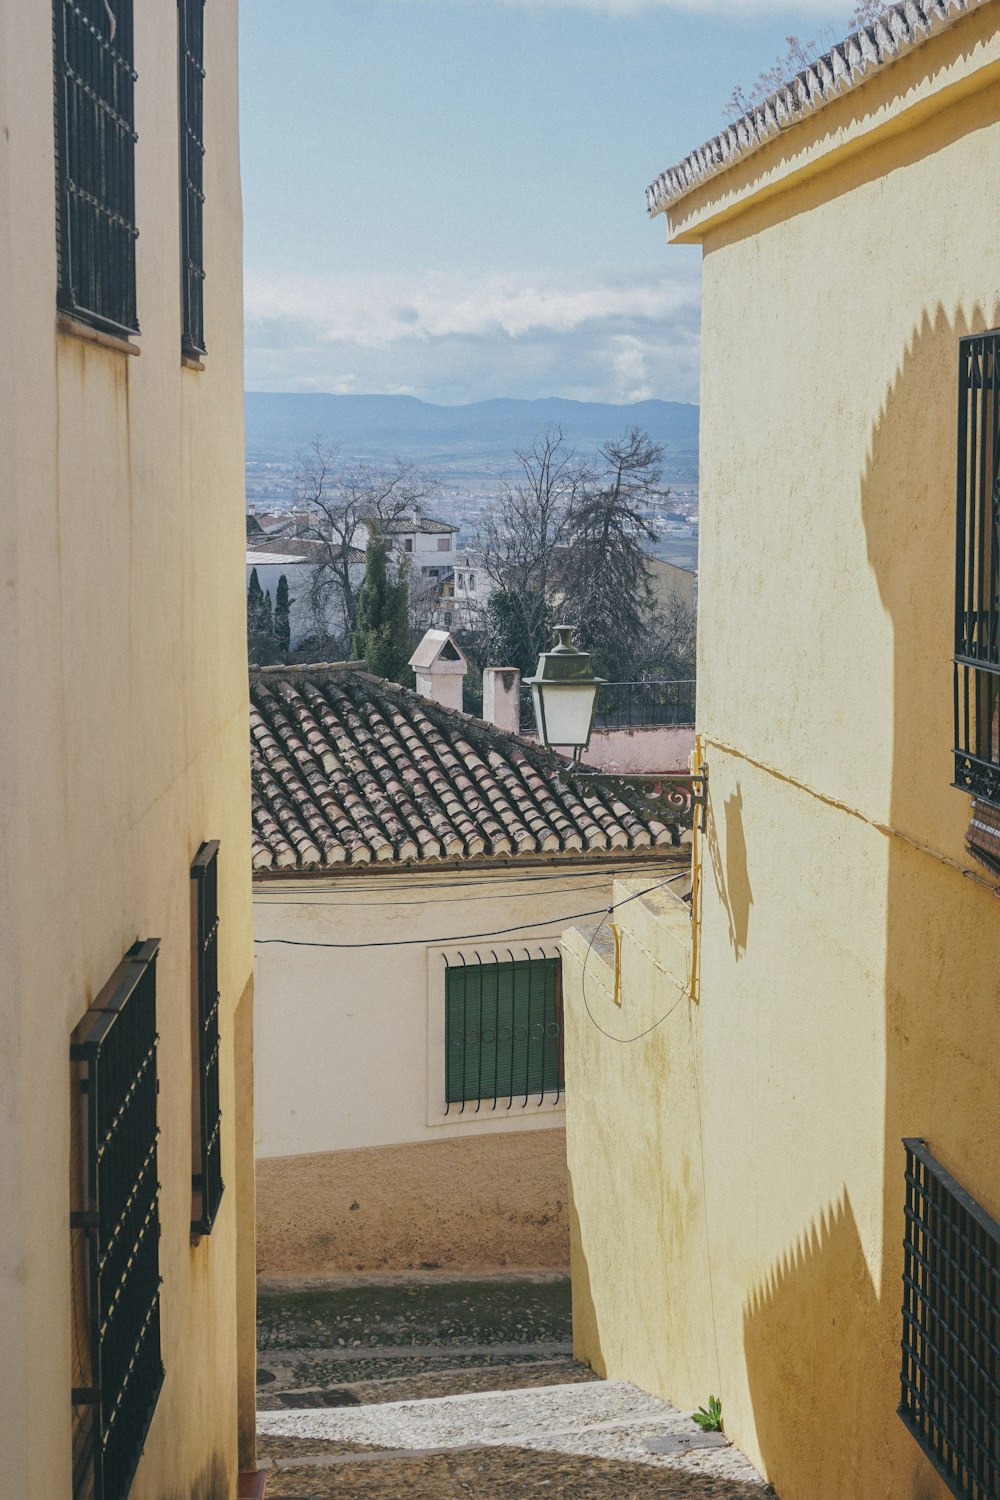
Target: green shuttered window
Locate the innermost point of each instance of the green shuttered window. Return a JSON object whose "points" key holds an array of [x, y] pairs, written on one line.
{"points": [[504, 1031]]}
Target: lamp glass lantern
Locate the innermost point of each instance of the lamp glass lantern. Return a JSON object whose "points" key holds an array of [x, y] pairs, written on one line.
{"points": [[564, 694]]}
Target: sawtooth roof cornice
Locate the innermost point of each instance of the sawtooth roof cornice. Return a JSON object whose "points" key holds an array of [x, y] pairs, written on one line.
{"points": [[845, 67]]}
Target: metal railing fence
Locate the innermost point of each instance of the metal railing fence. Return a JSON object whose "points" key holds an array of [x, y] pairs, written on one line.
{"points": [[950, 1379], [644, 705], [503, 1030], [207, 1184], [95, 162], [114, 1050], [631, 705], [977, 569]]}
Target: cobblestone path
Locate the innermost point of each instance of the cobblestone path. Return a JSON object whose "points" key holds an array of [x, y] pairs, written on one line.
{"points": [[427, 1390]]}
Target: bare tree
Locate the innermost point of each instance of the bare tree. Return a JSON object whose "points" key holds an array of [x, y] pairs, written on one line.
{"points": [[343, 499], [528, 525], [667, 648], [605, 579]]}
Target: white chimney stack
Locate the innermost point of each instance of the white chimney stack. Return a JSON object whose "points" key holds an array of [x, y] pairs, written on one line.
{"points": [[440, 667], [502, 698]]}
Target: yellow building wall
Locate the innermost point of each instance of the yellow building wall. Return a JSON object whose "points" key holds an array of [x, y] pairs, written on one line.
{"points": [[747, 1153], [124, 701]]}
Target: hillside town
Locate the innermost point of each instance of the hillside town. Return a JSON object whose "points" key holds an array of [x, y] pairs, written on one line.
{"points": [[499, 951]]}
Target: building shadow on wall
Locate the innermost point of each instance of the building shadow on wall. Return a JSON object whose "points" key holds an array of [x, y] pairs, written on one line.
{"points": [[820, 1323], [800, 1332], [943, 935], [732, 879]]}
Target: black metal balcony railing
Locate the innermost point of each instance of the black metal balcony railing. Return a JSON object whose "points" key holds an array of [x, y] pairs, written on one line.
{"points": [[950, 1398], [644, 705], [977, 570], [504, 1030], [95, 162], [114, 1048]]}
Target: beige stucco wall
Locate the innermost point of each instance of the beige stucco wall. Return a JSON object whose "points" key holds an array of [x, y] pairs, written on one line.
{"points": [[848, 968], [124, 696], [350, 1049]]}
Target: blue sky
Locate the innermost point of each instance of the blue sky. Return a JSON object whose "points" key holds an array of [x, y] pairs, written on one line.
{"points": [[446, 197]]}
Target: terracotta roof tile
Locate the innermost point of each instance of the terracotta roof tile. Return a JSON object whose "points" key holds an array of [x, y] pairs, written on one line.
{"points": [[349, 770]]}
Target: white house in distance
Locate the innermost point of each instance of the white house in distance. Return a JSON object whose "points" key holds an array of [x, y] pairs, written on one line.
{"points": [[413, 871], [297, 559], [429, 547]]}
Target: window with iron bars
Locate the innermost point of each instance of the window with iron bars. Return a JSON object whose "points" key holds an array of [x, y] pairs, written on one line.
{"points": [[503, 1031], [977, 571], [206, 1180], [950, 1398], [95, 162], [115, 1228], [191, 55]]}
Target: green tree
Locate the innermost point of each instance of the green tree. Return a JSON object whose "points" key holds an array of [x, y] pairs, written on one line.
{"points": [[382, 635], [261, 647], [255, 605], [282, 615]]}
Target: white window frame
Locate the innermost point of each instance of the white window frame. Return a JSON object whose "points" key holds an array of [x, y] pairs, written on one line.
{"points": [[519, 1115]]}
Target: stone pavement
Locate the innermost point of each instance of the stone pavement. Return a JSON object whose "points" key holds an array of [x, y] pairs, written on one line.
{"points": [[430, 1390]]}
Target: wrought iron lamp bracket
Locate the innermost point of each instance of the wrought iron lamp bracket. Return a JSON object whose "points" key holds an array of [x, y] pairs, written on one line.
{"points": [[675, 795]]}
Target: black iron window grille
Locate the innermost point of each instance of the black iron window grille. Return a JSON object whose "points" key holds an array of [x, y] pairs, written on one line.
{"points": [[95, 162], [951, 1328], [977, 570], [206, 1180], [503, 1030], [114, 1053], [191, 54]]}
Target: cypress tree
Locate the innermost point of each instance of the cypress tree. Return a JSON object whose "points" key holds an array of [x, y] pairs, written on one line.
{"points": [[282, 616], [255, 604], [382, 635], [267, 617]]}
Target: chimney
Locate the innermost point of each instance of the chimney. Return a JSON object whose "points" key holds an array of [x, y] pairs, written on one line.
{"points": [[502, 698], [440, 667]]}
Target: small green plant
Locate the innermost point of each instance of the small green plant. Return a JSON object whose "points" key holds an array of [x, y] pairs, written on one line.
{"points": [[709, 1418]]}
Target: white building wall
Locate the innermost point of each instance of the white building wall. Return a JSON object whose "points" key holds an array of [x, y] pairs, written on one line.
{"points": [[349, 1041]]}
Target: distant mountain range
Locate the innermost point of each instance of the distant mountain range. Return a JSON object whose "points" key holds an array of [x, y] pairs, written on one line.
{"points": [[282, 425]]}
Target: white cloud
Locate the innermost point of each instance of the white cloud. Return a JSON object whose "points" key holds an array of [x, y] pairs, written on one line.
{"points": [[606, 336], [376, 311]]}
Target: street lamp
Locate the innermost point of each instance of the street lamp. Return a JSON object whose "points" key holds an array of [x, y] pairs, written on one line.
{"points": [[564, 692], [564, 695]]}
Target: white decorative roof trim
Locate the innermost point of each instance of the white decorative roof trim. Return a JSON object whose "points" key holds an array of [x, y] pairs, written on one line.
{"points": [[843, 68]]}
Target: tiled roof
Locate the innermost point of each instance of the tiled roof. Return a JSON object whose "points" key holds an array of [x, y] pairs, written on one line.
{"points": [[426, 525], [897, 31], [301, 549], [350, 769], [255, 531]]}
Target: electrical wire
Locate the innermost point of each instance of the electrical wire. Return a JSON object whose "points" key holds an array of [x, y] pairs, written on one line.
{"points": [[468, 937], [625, 1040], [359, 883], [441, 901]]}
